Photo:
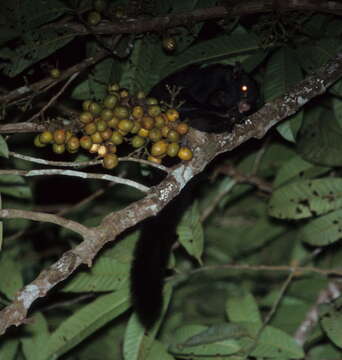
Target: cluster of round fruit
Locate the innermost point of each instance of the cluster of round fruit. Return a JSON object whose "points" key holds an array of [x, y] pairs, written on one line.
{"points": [[121, 118]]}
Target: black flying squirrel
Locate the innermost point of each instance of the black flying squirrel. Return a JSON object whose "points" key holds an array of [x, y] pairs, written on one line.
{"points": [[216, 97]]}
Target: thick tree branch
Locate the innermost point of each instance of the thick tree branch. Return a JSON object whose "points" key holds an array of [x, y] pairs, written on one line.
{"points": [[218, 12], [205, 148]]}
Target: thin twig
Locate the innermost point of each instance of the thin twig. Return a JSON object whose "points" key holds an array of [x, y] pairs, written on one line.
{"points": [[272, 268], [74, 164], [241, 178], [64, 211], [220, 194], [146, 162], [270, 314], [55, 97], [51, 218], [83, 175]]}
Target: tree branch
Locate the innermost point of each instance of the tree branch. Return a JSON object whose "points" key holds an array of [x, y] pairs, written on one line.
{"points": [[328, 294], [134, 26], [50, 218], [80, 174], [42, 85]]}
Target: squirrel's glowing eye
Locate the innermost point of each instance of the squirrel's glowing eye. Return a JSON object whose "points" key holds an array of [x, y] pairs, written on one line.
{"points": [[244, 88]]}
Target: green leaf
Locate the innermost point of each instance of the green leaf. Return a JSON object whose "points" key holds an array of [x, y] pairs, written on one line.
{"points": [[86, 321], [140, 73], [314, 26], [337, 107], [289, 128], [7, 34], [274, 343], [306, 198], [159, 352], [315, 55], [106, 275], [265, 229], [243, 309], [331, 320], [190, 232], [94, 86], [37, 334], [180, 348], [254, 60], [9, 285], [30, 14], [336, 89], [297, 168], [123, 250], [3, 147], [337, 103], [211, 50], [38, 44], [1, 227], [334, 27], [138, 341], [325, 351], [8, 348], [217, 332], [217, 190], [320, 139], [1, 234], [323, 231], [15, 185], [282, 72]]}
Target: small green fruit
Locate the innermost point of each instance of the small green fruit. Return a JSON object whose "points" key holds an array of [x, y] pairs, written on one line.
{"points": [[94, 18]]}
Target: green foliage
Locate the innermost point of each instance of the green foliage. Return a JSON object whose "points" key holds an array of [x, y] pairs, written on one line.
{"points": [[212, 51], [320, 140], [190, 233], [331, 321], [324, 230], [3, 147], [243, 309], [85, 322], [9, 348], [306, 198], [15, 186], [283, 205], [283, 71], [138, 343], [38, 334], [36, 45], [9, 285], [182, 350]]}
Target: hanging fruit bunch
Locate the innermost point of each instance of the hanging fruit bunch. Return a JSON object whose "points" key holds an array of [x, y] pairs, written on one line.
{"points": [[153, 133]]}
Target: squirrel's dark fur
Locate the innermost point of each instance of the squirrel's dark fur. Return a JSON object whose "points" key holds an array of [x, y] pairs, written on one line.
{"points": [[215, 97]]}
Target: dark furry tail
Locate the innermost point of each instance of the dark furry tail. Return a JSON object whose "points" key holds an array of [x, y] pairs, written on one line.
{"points": [[148, 271], [152, 255]]}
